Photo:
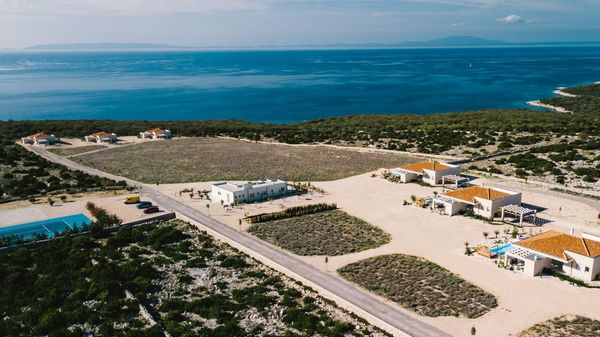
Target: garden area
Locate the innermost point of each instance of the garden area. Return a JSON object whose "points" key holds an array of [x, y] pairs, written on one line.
{"points": [[564, 326], [212, 159], [153, 279], [329, 232], [420, 285]]}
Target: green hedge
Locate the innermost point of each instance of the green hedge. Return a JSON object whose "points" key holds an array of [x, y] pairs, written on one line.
{"points": [[291, 212]]}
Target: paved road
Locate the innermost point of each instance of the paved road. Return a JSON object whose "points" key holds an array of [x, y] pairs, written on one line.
{"points": [[363, 300], [588, 201]]}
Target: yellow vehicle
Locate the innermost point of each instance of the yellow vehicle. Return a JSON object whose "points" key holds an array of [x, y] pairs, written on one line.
{"points": [[132, 200]]}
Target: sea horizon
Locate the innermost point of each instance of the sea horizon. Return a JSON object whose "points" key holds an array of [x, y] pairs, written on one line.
{"points": [[284, 86]]}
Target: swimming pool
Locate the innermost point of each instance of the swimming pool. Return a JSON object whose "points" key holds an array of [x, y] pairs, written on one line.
{"points": [[48, 227], [501, 250]]}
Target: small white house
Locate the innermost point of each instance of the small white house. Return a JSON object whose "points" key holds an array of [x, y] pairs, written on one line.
{"points": [[484, 201], [262, 190], [577, 257], [156, 133], [101, 137], [39, 139], [432, 172]]}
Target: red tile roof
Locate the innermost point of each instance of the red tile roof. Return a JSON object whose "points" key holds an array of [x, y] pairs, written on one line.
{"points": [[470, 193], [555, 244], [425, 165]]}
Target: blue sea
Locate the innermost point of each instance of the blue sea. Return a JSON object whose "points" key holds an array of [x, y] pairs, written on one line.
{"points": [[283, 86]]}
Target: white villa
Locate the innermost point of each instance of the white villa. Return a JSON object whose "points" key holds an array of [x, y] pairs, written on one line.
{"points": [[39, 139], [231, 194], [577, 257], [101, 137], [432, 172], [483, 201], [156, 133]]}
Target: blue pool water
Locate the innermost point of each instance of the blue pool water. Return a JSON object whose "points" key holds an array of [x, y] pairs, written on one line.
{"points": [[501, 250], [283, 86], [48, 227]]}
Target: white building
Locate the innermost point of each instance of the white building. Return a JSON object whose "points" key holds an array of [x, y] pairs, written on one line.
{"points": [[577, 257], [156, 133], [39, 139], [101, 137], [431, 172], [230, 194], [483, 201]]}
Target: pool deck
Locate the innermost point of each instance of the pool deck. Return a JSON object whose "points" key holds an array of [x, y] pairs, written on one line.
{"points": [[39, 212]]}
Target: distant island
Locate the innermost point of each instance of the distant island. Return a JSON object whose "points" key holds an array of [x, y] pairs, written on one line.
{"points": [[445, 42]]}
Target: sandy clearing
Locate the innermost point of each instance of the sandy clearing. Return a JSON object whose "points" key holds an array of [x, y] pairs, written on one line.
{"points": [[523, 301]]}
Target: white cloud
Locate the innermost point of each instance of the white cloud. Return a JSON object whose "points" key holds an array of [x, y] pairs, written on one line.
{"points": [[128, 7], [513, 18]]}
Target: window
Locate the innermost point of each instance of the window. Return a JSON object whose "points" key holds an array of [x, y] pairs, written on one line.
{"points": [[587, 269]]}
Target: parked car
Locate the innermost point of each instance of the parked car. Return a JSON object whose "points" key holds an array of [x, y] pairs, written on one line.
{"points": [[132, 200], [144, 204], [152, 209]]}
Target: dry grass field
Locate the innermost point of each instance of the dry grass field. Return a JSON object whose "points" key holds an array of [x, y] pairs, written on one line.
{"points": [[324, 233], [210, 159], [564, 326], [69, 151], [419, 285]]}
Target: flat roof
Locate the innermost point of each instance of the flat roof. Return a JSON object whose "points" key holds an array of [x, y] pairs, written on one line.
{"points": [[556, 244], [426, 165], [236, 188], [470, 193]]}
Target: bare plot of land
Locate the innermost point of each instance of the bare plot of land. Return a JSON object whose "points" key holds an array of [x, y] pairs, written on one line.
{"points": [[210, 159], [324, 233], [69, 151], [564, 326], [420, 285]]}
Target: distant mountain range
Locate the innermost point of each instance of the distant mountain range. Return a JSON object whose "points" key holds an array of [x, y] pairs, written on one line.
{"points": [[104, 46], [446, 42]]}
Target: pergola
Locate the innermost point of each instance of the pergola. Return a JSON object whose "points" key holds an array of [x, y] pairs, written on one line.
{"points": [[454, 179], [519, 211]]}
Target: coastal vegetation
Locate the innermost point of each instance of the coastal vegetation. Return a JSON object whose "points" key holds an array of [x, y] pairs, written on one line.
{"points": [[24, 175], [564, 326], [328, 232], [475, 134], [156, 279], [210, 159], [419, 285]]}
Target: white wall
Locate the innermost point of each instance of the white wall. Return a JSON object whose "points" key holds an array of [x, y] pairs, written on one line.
{"points": [[435, 177], [534, 268], [577, 267]]}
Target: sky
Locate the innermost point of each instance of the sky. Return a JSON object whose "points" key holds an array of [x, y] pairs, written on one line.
{"points": [[223, 23]]}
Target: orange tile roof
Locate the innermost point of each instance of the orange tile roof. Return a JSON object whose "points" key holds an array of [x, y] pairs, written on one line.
{"points": [[157, 130], [555, 244], [425, 165], [39, 135], [468, 194], [101, 134]]}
